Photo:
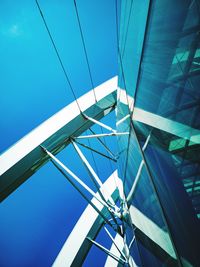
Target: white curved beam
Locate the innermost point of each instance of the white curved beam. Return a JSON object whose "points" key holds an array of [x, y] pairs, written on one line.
{"points": [[77, 246], [25, 157]]}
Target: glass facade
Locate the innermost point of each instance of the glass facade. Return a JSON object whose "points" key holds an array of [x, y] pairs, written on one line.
{"points": [[158, 103]]}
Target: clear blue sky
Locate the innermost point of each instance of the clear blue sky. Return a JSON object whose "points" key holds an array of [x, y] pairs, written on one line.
{"points": [[36, 219]]}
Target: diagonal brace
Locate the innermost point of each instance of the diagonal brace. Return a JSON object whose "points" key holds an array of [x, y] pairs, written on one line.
{"points": [[107, 251], [77, 179], [93, 175], [99, 123]]}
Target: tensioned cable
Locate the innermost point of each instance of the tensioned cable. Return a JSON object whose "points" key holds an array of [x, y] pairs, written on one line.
{"points": [[118, 50], [90, 74], [125, 87], [127, 29], [125, 8], [98, 171], [85, 50], [99, 139], [123, 77], [61, 63], [57, 53], [82, 194], [94, 150], [88, 66], [106, 147], [84, 47], [59, 58]]}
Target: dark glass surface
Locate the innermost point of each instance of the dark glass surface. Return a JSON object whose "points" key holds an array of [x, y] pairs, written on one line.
{"points": [[176, 181], [169, 75], [166, 83]]}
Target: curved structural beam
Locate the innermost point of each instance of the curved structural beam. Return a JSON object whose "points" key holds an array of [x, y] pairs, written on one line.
{"points": [[76, 247], [24, 158]]}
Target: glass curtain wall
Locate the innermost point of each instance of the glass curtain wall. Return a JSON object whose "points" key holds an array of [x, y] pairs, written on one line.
{"points": [[158, 103]]}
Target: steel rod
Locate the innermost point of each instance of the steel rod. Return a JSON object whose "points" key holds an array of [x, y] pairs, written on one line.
{"points": [[119, 250], [96, 151], [82, 194], [100, 135], [107, 251], [77, 179], [99, 123], [93, 175], [102, 143]]}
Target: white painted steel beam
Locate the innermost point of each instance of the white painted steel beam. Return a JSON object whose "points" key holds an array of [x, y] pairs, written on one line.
{"points": [[100, 124], [25, 157], [77, 246]]}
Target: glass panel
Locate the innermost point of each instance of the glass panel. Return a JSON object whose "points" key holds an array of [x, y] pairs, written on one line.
{"points": [[174, 165], [166, 84], [170, 65]]}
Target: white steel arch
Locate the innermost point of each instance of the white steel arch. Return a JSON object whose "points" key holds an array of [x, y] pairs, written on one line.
{"points": [[24, 158], [77, 246]]}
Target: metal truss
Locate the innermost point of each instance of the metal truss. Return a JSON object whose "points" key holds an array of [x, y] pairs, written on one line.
{"points": [[42, 144], [23, 159]]}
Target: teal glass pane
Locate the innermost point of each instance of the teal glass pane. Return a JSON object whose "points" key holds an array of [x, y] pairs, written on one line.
{"points": [[174, 166], [132, 31], [169, 74], [161, 71]]}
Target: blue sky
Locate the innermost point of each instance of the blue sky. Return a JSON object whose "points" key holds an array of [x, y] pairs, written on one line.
{"points": [[36, 219], [33, 86]]}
